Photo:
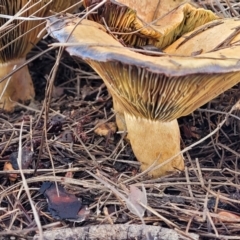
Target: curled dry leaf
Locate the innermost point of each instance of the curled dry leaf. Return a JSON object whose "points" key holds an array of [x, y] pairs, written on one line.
{"points": [[65, 205], [135, 197], [83, 214], [8, 167], [225, 216], [106, 129]]}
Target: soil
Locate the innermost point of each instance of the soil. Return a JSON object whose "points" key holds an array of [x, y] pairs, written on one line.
{"points": [[66, 149]]}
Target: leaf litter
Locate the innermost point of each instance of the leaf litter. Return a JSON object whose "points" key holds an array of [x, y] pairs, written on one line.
{"points": [[136, 197], [198, 200], [61, 204]]}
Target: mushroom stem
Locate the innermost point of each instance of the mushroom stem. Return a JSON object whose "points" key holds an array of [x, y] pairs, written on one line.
{"points": [[155, 141], [18, 87], [118, 109]]}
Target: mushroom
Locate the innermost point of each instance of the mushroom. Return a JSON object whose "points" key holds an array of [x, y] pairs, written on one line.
{"points": [[153, 91], [16, 40], [144, 24]]}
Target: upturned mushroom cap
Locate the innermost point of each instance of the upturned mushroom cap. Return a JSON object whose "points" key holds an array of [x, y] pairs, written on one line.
{"points": [[17, 38], [153, 91], [147, 22], [158, 88]]}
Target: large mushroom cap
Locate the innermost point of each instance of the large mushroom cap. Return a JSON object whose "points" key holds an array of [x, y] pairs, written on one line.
{"points": [[158, 88]]}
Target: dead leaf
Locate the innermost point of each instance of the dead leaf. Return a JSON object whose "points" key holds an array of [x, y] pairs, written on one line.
{"points": [[106, 129], [137, 196], [57, 92], [8, 167], [190, 132], [83, 214], [62, 206], [55, 124], [225, 216], [66, 137], [26, 158]]}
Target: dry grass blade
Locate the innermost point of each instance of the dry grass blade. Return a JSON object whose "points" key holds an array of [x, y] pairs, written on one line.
{"points": [[26, 188]]}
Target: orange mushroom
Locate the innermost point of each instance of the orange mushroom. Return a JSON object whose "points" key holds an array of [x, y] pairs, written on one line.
{"points": [[16, 40], [153, 91], [148, 23]]}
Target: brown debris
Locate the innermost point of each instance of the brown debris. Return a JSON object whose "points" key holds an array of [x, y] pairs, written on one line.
{"points": [[211, 166], [8, 167], [106, 129], [225, 216]]}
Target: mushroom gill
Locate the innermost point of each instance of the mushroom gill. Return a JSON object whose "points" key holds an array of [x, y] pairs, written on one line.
{"points": [[154, 91], [17, 38]]}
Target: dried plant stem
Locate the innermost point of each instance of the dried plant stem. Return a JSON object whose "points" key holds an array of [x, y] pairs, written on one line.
{"points": [[25, 185]]}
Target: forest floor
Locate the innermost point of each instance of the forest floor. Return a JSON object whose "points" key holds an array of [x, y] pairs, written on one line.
{"points": [[98, 170]]}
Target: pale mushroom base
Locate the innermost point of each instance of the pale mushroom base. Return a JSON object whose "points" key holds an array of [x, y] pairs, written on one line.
{"points": [[119, 111], [17, 88], [155, 142]]}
